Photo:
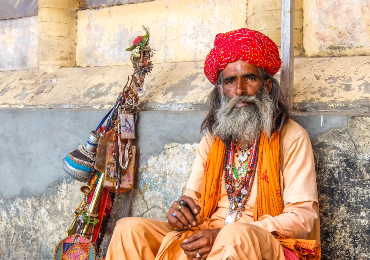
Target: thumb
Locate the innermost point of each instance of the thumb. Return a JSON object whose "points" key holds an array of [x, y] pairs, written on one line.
{"points": [[193, 237]]}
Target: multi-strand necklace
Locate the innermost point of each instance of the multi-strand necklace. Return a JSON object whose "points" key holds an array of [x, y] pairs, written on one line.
{"points": [[239, 180]]}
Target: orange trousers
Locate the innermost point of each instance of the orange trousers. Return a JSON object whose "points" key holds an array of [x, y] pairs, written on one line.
{"points": [[140, 239]]}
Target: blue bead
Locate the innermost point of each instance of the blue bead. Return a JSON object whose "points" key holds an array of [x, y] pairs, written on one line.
{"points": [[174, 214]]}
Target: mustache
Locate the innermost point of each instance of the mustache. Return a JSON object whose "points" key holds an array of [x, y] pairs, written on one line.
{"points": [[253, 100]]}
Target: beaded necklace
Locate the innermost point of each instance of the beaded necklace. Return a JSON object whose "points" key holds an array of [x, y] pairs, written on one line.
{"points": [[238, 184]]}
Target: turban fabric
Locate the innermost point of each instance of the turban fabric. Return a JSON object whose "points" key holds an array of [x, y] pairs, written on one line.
{"points": [[243, 44]]}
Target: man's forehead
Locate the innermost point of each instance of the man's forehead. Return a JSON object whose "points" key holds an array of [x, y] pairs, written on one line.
{"points": [[240, 66]]}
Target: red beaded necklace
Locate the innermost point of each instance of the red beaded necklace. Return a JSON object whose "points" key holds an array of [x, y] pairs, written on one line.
{"points": [[238, 186]]}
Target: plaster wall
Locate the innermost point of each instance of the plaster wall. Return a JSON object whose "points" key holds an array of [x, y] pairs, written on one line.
{"points": [[180, 30], [18, 44], [265, 16], [336, 27], [321, 84], [57, 33]]}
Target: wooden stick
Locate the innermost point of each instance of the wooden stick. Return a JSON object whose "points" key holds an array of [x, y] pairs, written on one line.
{"points": [[287, 51]]}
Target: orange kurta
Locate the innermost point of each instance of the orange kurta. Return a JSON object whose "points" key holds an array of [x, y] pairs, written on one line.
{"points": [[137, 238]]}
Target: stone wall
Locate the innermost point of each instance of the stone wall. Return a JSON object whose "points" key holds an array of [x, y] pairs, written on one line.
{"points": [[18, 44], [78, 66]]}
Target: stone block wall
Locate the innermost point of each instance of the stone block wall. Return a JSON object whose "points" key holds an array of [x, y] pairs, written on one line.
{"points": [[78, 66]]}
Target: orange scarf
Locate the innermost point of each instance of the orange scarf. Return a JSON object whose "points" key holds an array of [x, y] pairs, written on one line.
{"points": [[268, 200], [268, 196]]}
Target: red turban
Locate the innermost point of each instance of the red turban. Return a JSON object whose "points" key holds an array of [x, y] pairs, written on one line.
{"points": [[243, 44]]}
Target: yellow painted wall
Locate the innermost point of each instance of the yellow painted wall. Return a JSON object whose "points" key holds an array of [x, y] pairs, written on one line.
{"points": [[336, 27], [180, 30], [265, 16]]}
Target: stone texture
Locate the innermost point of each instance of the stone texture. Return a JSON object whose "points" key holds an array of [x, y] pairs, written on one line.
{"points": [[181, 31], [343, 177], [18, 44], [336, 27], [31, 227]]}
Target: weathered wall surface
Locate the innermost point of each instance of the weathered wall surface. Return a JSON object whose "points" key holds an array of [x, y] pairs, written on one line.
{"points": [[336, 27], [47, 111], [180, 30], [321, 84], [57, 33], [342, 157], [170, 86], [265, 16], [332, 84], [18, 44], [37, 197], [36, 211]]}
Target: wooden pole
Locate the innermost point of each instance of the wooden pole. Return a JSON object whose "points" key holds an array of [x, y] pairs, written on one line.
{"points": [[287, 51]]}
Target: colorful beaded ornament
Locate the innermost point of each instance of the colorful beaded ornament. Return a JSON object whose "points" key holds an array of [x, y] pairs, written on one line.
{"points": [[75, 247]]}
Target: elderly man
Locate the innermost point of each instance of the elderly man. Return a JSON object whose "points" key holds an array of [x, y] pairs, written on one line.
{"points": [[252, 191]]}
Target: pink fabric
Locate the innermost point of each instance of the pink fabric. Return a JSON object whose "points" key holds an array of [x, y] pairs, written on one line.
{"points": [[289, 255], [243, 44]]}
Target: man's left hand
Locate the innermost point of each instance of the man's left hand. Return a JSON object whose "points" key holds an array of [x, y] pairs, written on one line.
{"points": [[201, 242]]}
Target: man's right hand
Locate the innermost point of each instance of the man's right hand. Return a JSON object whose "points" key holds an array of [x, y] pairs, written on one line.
{"points": [[186, 218]]}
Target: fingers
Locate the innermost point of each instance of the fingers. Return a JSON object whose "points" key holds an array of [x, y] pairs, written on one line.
{"points": [[194, 237], [183, 219], [204, 252], [194, 242], [193, 207], [188, 215], [173, 221]]}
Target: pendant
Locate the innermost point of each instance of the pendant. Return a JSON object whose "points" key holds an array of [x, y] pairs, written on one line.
{"points": [[240, 169], [227, 186], [230, 216], [231, 204], [242, 157], [244, 192]]}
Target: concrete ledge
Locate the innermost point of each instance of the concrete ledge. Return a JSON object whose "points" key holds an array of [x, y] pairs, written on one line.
{"points": [[170, 86], [332, 84], [321, 84]]}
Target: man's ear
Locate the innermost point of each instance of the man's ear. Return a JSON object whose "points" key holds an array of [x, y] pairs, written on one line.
{"points": [[269, 85]]}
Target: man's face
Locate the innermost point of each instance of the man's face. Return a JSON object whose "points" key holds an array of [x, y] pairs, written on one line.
{"points": [[246, 107], [242, 79]]}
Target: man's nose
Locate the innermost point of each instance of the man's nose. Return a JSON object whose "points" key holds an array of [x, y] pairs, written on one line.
{"points": [[241, 88]]}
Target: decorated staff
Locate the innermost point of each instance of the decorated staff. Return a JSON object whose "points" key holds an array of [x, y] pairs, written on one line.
{"points": [[107, 162]]}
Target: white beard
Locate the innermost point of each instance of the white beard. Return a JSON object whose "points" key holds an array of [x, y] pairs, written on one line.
{"points": [[245, 123]]}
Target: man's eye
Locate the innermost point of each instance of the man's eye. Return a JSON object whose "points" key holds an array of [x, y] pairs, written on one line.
{"points": [[229, 82], [251, 79]]}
